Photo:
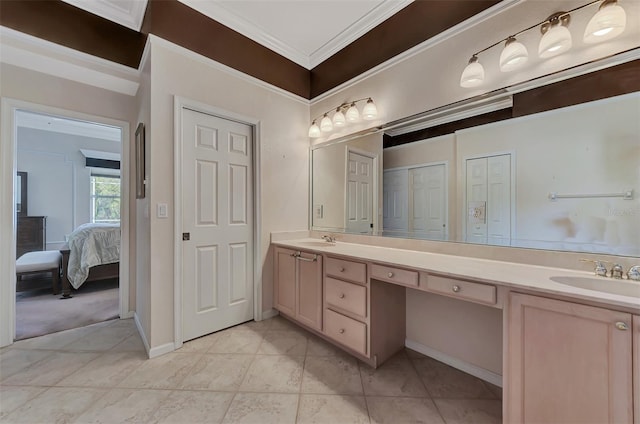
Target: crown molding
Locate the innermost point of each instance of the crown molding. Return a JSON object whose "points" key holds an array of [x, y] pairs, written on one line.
{"points": [[130, 17], [43, 56], [376, 16], [226, 17]]}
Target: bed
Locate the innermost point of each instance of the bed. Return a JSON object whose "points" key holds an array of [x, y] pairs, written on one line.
{"points": [[92, 253]]}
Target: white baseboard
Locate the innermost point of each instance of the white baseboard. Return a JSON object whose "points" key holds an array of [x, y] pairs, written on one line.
{"points": [[481, 373], [270, 313], [161, 350], [141, 332], [128, 315]]}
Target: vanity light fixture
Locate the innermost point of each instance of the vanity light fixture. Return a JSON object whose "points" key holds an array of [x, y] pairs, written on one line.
{"points": [[346, 113], [609, 22], [556, 38], [513, 56]]}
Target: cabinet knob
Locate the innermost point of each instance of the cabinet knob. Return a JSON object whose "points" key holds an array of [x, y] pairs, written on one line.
{"points": [[341, 331], [341, 295], [455, 288], [341, 269], [622, 326], [390, 274]]}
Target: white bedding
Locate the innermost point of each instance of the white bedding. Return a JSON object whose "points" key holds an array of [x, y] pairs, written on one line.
{"points": [[91, 245]]}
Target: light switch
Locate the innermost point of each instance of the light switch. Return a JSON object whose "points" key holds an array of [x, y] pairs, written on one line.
{"points": [[162, 210]]}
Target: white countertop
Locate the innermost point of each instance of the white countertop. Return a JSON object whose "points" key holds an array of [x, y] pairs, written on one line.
{"points": [[510, 274]]}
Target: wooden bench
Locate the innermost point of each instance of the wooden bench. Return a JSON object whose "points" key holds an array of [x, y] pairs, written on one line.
{"points": [[38, 262]]}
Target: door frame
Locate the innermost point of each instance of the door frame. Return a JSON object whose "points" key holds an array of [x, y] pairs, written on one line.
{"points": [[8, 162], [375, 207], [180, 103]]}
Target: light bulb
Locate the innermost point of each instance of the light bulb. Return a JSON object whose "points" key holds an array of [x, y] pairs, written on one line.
{"points": [[609, 22], [338, 118], [556, 37], [370, 111], [353, 114], [473, 74], [513, 56], [314, 130], [325, 124]]}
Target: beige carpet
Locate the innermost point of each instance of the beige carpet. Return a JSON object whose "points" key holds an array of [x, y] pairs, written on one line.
{"points": [[39, 312]]}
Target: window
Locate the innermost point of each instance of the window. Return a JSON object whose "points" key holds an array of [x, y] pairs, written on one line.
{"points": [[105, 199]]}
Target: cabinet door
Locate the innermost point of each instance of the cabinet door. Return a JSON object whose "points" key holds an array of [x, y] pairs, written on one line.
{"points": [[567, 363], [285, 281], [309, 307]]}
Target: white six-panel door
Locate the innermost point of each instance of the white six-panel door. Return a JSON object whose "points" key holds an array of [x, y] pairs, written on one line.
{"points": [[359, 203], [395, 195], [489, 204], [217, 223], [427, 201]]}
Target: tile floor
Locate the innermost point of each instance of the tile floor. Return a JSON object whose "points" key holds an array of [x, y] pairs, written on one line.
{"points": [[259, 372]]}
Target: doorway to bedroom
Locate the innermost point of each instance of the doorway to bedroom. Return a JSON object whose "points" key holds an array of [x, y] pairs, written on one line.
{"points": [[69, 203]]}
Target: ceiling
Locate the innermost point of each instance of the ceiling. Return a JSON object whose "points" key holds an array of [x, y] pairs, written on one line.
{"points": [[304, 31]]}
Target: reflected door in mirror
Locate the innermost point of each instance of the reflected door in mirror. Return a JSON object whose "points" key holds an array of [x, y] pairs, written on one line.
{"points": [[359, 193]]}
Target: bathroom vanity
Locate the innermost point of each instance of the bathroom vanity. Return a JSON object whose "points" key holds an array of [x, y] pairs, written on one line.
{"points": [[568, 351]]}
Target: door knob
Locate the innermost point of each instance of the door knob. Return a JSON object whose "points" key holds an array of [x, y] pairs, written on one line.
{"points": [[622, 326]]}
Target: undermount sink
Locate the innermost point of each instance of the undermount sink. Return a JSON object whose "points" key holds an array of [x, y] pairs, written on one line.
{"points": [[607, 285], [317, 243]]}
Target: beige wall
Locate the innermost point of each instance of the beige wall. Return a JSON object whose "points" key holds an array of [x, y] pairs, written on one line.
{"points": [[140, 207], [283, 181], [462, 330]]}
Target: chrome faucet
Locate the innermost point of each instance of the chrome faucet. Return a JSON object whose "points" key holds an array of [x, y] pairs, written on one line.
{"points": [[600, 269], [634, 273], [329, 238], [617, 271]]}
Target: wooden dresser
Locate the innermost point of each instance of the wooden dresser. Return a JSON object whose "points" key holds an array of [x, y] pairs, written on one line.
{"points": [[31, 234]]}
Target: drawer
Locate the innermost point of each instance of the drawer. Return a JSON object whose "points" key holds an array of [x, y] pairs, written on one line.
{"points": [[348, 296], [483, 293], [346, 270], [346, 331], [394, 275]]}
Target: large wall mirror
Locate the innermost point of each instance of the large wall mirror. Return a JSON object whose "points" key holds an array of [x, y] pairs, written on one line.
{"points": [[566, 179]]}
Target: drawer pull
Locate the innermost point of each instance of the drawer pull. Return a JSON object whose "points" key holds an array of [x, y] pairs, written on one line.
{"points": [[455, 288], [341, 269], [341, 295], [622, 326], [341, 331], [390, 274]]}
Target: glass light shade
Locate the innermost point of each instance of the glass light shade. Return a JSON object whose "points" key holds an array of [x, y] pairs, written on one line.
{"points": [[314, 130], [607, 23], [339, 119], [325, 124], [473, 74], [370, 111], [555, 41], [513, 56], [353, 114]]}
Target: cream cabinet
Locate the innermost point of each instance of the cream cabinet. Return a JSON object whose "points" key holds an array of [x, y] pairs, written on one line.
{"points": [[567, 362], [298, 286], [362, 314]]}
